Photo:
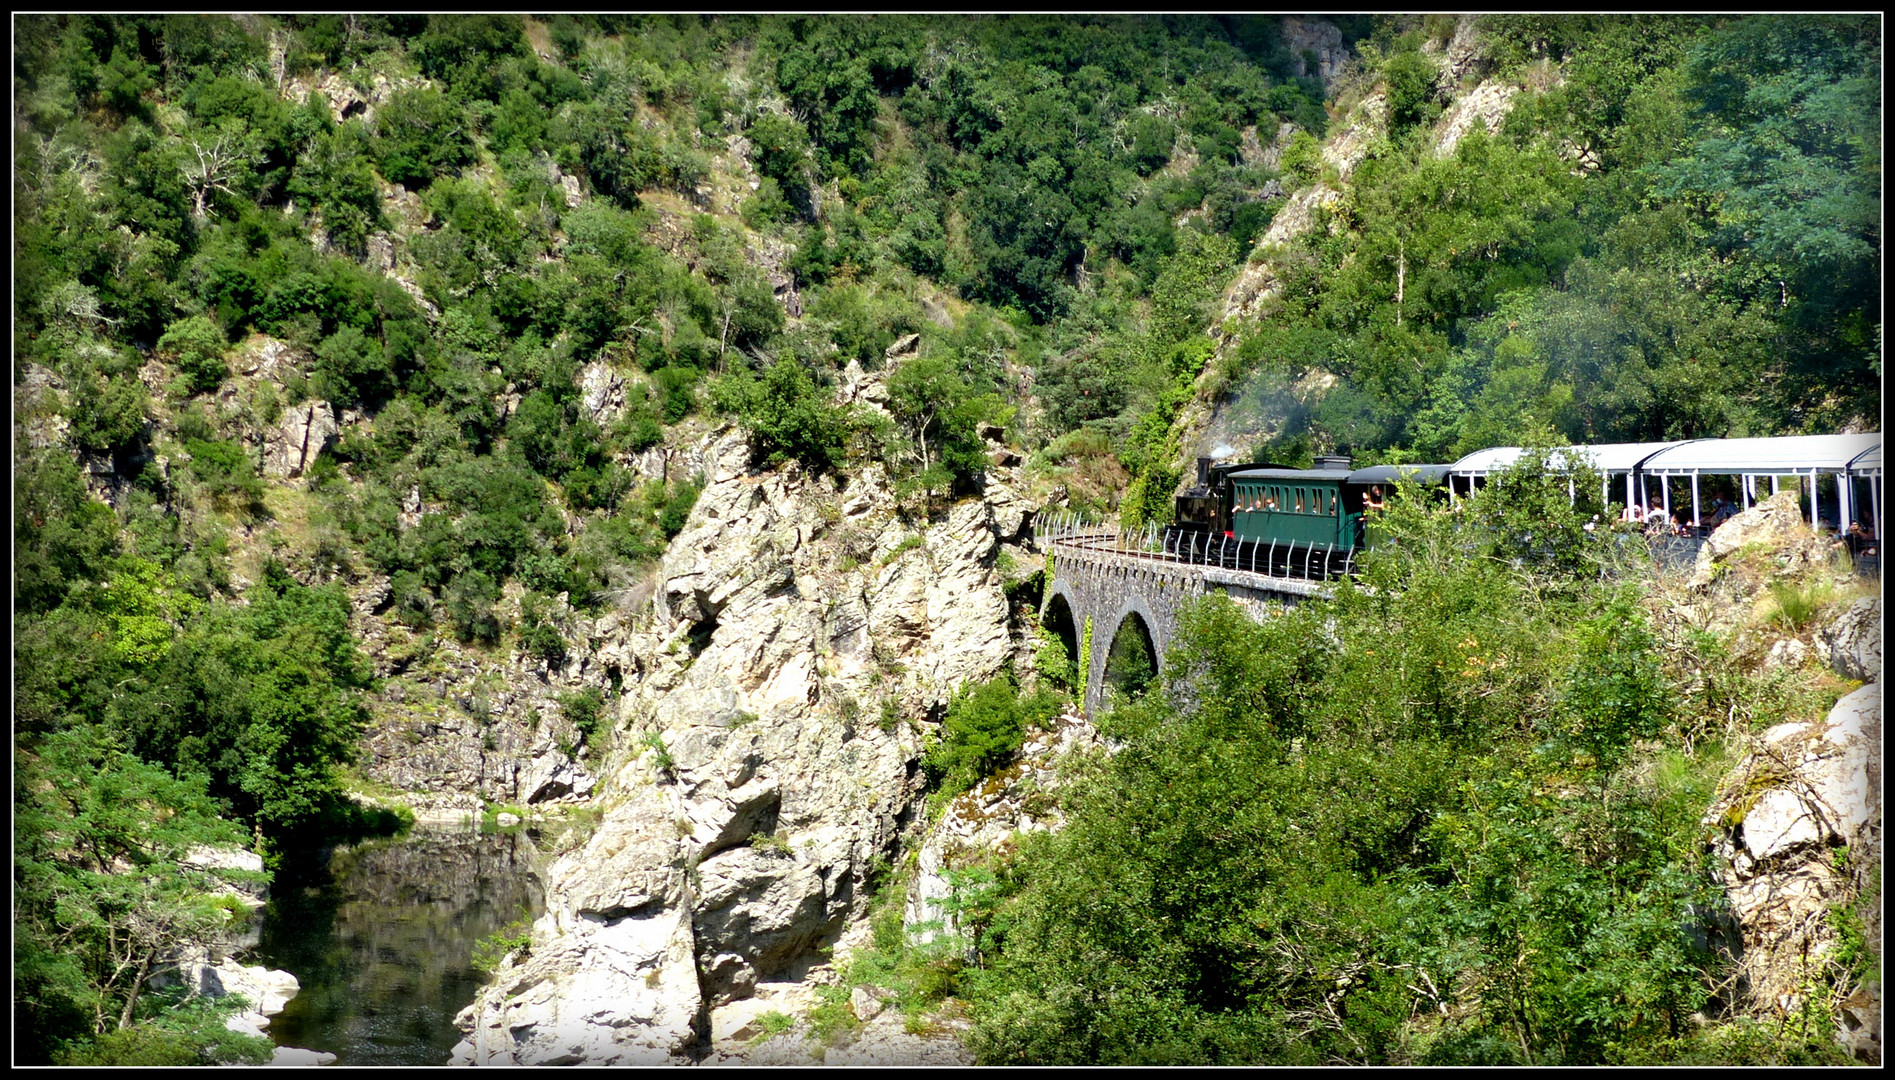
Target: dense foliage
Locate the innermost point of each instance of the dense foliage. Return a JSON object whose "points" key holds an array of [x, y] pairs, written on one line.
{"points": [[1675, 239], [520, 259]]}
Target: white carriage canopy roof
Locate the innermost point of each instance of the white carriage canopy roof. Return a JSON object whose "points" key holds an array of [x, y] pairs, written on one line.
{"points": [[1787, 454], [1782, 456], [1605, 457], [1868, 462]]}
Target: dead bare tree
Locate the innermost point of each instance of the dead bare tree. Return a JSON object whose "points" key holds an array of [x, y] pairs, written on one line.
{"points": [[216, 167]]}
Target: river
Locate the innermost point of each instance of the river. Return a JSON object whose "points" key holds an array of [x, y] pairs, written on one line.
{"points": [[381, 936]]}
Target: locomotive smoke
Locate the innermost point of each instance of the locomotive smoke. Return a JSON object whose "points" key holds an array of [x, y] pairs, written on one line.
{"points": [[1221, 451]]}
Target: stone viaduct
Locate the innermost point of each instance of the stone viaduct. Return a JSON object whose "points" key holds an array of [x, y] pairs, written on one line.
{"points": [[1096, 591]]}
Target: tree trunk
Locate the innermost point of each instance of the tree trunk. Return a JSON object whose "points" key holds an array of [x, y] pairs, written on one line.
{"points": [[131, 999], [1401, 278]]}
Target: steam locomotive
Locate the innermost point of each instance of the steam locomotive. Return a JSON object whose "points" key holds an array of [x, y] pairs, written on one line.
{"points": [[1274, 519]]}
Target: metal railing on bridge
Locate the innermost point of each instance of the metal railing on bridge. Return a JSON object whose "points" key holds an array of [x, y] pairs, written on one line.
{"points": [[1304, 562], [1288, 561]]}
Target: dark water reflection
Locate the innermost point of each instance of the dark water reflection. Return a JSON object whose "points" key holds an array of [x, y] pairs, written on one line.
{"points": [[381, 936]]}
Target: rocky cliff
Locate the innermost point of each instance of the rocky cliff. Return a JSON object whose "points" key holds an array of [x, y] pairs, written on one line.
{"points": [[800, 636]]}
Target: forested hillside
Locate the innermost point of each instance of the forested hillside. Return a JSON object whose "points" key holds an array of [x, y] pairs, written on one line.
{"points": [[1673, 233], [303, 299]]}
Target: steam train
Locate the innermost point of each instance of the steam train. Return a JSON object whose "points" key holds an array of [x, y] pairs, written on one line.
{"points": [[1273, 519], [1266, 517]]}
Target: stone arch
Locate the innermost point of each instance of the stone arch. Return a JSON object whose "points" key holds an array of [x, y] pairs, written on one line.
{"points": [[1133, 609], [1063, 616]]}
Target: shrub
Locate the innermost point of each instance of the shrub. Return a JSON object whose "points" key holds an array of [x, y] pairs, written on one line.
{"points": [[489, 951], [985, 725], [421, 134], [583, 709], [411, 599], [351, 367], [469, 602], [109, 413], [1794, 607], [539, 635], [225, 471], [198, 345]]}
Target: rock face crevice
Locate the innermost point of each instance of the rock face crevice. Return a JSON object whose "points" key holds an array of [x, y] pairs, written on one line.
{"points": [[800, 634]]}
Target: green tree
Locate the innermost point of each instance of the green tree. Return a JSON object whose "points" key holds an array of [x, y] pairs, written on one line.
{"points": [[101, 902], [421, 134], [942, 413], [788, 414]]}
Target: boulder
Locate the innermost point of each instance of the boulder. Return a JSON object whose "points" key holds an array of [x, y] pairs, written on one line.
{"points": [[867, 1002], [268, 991], [904, 346], [1776, 524], [203, 857], [1787, 653], [293, 1056]]}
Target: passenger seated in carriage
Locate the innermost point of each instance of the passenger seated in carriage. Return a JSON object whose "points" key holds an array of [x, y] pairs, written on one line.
{"points": [[1858, 540]]}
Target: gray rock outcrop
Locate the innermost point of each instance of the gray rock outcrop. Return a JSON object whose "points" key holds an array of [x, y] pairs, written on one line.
{"points": [[1776, 524], [1796, 832], [301, 434], [1315, 40], [1853, 640], [1486, 105], [601, 392], [798, 632]]}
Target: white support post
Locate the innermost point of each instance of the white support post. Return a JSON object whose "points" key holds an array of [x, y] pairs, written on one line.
{"points": [[1843, 498], [1815, 523], [1664, 489], [1697, 520], [1773, 483], [1875, 506]]}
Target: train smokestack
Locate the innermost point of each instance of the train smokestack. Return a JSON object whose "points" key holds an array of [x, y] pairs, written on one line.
{"points": [[1204, 472]]}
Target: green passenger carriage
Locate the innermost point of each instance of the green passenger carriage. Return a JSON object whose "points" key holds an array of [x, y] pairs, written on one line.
{"points": [[1277, 520]]}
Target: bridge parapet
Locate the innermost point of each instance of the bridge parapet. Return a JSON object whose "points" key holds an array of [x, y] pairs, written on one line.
{"points": [[1104, 579]]}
